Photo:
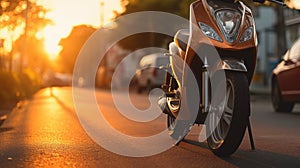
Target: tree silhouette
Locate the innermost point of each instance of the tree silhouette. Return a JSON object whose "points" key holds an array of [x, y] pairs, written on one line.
{"points": [[19, 17], [72, 45], [148, 39]]}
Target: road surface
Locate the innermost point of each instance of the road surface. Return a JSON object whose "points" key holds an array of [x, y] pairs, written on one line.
{"points": [[46, 132]]}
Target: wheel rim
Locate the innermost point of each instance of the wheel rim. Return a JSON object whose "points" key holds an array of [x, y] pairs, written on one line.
{"points": [[221, 117], [173, 104]]}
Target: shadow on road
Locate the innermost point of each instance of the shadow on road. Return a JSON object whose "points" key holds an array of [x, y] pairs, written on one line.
{"points": [[248, 158], [5, 129], [52, 93], [261, 158]]}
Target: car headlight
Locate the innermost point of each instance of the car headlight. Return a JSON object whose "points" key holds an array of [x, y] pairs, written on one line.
{"points": [[229, 22], [247, 35], [209, 32]]}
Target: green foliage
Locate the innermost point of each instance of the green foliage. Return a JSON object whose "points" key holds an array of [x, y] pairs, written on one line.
{"points": [[9, 86], [170, 6], [15, 87], [34, 51], [185, 8], [9, 5], [149, 39], [15, 15], [29, 83]]}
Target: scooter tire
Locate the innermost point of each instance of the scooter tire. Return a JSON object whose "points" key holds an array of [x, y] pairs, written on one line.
{"points": [[225, 139]]}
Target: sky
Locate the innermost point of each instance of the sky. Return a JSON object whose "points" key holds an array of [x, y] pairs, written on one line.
{"points": [[66, 13]]}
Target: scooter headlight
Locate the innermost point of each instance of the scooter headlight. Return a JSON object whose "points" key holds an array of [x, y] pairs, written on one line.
{"points": [[247, 35], [209, 32], [229, 22]]}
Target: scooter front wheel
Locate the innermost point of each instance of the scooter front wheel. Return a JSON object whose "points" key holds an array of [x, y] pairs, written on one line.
{"points": [[226, 128]]}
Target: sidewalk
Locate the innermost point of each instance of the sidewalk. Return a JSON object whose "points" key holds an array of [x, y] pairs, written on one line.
{"points": [[5, 110], [257, 89]]}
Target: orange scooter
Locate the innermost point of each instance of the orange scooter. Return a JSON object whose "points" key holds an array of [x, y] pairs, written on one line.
{"points": [[212, 64]]}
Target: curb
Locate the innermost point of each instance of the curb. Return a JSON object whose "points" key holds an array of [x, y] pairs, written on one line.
{"points": [[17, 106]]}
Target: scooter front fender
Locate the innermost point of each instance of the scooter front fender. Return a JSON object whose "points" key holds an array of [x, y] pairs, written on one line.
{"points": [[232, 65]]}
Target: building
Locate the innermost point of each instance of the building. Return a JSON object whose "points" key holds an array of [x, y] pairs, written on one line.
{"points": [[266, 21], [292, 23]]}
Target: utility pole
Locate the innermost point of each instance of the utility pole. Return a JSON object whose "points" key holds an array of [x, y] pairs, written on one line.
{"points": [[10, 60], [281, 34], [103, 63], [1, 53], [101, 14]]}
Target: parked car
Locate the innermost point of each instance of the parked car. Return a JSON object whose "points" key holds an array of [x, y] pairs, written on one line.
{"points": [[149, 74], [286, 80]]}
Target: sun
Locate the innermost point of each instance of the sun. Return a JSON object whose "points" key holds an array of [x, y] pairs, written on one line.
{"points": [[52, 49], [66, 15], [52, 35]]}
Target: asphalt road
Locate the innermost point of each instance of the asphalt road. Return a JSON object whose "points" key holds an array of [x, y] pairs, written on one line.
{"points": [[46, 132]]}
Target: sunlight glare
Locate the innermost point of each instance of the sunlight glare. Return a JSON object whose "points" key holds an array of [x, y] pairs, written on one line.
{"points": [[67, 14]]}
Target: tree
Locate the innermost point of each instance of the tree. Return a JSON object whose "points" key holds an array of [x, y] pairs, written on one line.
{"points": [[19, 17], [72, 45], [185, 8], [281, 32], [148, 39], [8, 6], [35, 52], [171, 6]]}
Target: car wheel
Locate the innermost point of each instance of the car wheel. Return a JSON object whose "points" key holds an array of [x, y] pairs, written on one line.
{"points": [[280, 105]]}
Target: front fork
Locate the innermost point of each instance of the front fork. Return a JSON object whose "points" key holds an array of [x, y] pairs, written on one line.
{"points": [[170, 83], [205, 87], [231, 65], [225, 65]]}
